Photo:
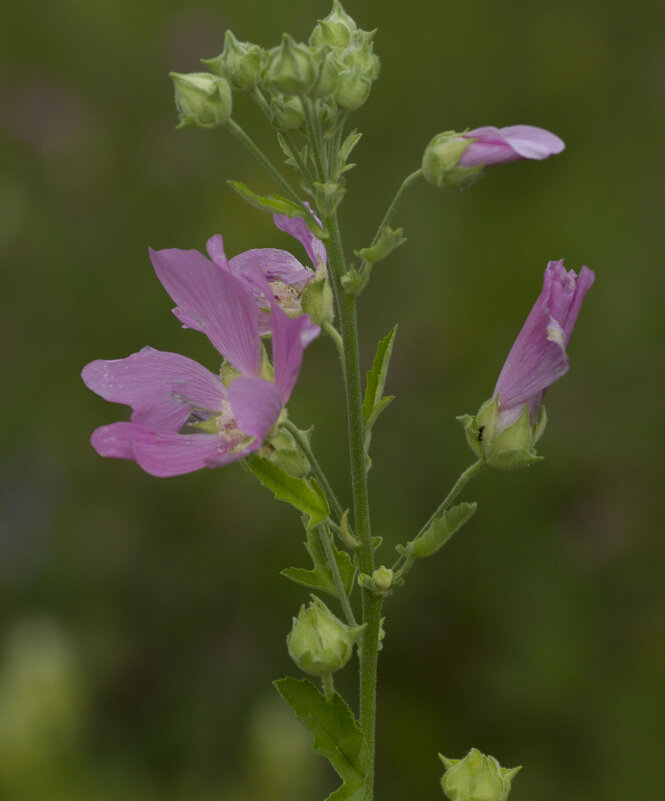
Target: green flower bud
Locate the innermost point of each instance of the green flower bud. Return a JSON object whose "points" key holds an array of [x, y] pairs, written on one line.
{"points": [[288, 113], [292, 68], [352, 89], [335, 30], [476, 778], [360, 54], [441, 162], [328, 110], [317, 300], [319, 642], [383, 578], [202, 100], [327, 75], [284, 451], [241, 63], [506, 448]]}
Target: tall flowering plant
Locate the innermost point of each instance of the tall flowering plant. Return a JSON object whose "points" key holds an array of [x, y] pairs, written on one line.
{"points": [[261, 308]]}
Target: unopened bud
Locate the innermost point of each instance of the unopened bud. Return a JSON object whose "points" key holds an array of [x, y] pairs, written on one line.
{"points": [[202, 100], [318, 301], [291, 70], [476, 777], [353, 89], [241, 63], [319, 642], [503, 447], [383, 578], [335, 30], [288, 114], [441, 162]]}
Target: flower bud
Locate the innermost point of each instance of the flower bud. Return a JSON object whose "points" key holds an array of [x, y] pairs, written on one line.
{"points": [[441, 162], [505, 447], [476, 777], [241, 63], [383, 578], [335, 30], [317, 300], [202, 100], [360, 53], [283, 450], [352, 89], [319, 642], [327, 76], [291, 70], [287, 112]]}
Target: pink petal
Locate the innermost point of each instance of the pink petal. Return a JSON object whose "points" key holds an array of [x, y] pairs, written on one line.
{"points": [[501, 145], [297, 228], [290, 336], [214, 302], [215, 248], [276, 265], [256, 405], [162, 388], [530, 142], [164, 453]]}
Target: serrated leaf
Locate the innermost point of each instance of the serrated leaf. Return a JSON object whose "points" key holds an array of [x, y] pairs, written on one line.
{"points": [[273, 204], [335, 731], [440, 530], [388, 241], [304, 495], [320, 577], [376, 377]]}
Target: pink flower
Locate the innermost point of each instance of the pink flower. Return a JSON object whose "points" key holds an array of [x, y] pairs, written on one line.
{"points": [[286, 276], [490, 145], [167, 391], [538, 356]]}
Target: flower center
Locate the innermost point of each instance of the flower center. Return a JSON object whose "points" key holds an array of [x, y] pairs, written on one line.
{"points": [[288, 297]]}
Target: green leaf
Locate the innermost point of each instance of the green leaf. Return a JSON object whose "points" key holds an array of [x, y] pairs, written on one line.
{"points": [[320, 577], [337, 735], [273, 204], [388, 240], [440, 530], [348, 144], [376, 377], [304, 495]]}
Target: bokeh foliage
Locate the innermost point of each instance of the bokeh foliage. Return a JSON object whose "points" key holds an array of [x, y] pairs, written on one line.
{"points": [[143, 619]]}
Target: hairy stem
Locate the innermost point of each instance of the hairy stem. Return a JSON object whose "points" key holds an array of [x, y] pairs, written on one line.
{"points": [[320, 476], [336, 576]]}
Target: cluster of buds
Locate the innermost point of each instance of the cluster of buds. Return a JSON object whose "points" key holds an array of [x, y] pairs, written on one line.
{"points": [[336, 68]]}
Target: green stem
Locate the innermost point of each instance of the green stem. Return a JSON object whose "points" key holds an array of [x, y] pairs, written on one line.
{"points": [[301, 439], [260, 156], [459, 485], [333, 333], [404, 564], [336, 576], [392, 208], [328, 684], [314, 137], [371, 603]]}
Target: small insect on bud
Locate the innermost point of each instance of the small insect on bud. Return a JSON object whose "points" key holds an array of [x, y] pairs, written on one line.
{"points": [[202, 100]]}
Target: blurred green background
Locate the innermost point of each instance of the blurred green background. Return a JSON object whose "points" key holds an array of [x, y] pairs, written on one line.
{"points": [[143, 619]]}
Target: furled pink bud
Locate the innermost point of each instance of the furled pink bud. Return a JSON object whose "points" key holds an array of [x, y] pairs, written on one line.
{"points": [[453, 160], [507, 427]]}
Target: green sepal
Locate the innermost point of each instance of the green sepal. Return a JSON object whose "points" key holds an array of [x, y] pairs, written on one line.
{"points": [[348, 144], [305, 495], [336, 734], [320, 578], [513, 447], [440, 530], [389, 240], [376, 376], [541, 425]]}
